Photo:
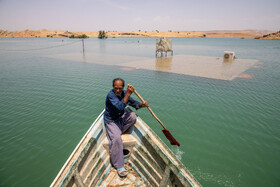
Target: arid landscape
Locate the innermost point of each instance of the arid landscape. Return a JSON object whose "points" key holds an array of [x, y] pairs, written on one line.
{"points": [[210, 34]]}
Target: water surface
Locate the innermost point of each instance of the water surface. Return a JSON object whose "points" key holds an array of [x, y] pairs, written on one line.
{"points": [[228, 130]]}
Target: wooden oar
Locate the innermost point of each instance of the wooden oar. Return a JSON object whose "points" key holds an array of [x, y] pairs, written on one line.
{"points": [[167, 134]]}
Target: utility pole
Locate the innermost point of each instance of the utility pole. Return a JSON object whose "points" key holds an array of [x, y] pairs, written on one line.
{"points": [[83, 46]]}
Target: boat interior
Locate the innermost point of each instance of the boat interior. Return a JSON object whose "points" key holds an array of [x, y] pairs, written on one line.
{"points": [[149, 161]]}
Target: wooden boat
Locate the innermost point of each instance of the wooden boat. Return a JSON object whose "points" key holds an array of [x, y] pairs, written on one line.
{"points": [[151, 162]]}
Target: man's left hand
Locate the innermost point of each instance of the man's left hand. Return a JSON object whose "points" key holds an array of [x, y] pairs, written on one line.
{"points": [[144, 104]]}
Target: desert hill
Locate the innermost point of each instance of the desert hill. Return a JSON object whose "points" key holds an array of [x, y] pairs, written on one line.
{"points": [[210, 34], [272, 36]]}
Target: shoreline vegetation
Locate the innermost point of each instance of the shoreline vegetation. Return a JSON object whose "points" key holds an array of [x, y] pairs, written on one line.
{"points": [[255, 34], [102, 35], [79, 36]]}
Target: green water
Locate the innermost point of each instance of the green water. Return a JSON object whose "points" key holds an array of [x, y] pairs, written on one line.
{"points": [[229, 130]]}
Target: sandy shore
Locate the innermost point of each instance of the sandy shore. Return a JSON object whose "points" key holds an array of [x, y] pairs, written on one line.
{"points": [[209, 34]]}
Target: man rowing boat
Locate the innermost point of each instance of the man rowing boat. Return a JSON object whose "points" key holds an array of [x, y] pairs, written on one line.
{"points": [[118, 121]]}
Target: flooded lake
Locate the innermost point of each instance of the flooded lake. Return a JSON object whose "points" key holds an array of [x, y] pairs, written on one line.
{"points": [[225, 115]]}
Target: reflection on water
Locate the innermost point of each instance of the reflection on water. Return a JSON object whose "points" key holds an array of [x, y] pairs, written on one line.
{"points": [[163, 63], [226, 67], [102, 45], [246, 76], [202, 66], [84, 57], [256, 67], [127, 68]]}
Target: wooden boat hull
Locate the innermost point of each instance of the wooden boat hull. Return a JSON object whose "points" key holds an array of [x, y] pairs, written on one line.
{"points": [[151, 162]]}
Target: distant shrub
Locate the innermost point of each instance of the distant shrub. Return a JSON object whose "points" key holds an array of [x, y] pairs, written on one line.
{"points": [[102, 35], [83, 36], [79, 36]]}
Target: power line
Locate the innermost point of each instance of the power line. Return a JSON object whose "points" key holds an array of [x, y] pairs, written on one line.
{"points": [[55, 46]]}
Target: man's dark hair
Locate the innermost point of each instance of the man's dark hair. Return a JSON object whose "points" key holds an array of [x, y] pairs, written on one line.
{"points": [[118, 79]]}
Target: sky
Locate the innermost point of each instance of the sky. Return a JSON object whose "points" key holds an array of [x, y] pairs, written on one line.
{"points": [[144, 15]]}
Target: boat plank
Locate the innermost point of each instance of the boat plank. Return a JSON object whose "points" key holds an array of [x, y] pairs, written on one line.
{"points": [[114, 180], [165, 177]]}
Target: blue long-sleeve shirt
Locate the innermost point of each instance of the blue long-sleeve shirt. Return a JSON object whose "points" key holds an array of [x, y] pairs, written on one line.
{"points": [[115, 106]]}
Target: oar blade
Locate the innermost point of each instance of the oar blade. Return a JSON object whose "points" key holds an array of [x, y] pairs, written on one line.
{"points": [[169, 136]]}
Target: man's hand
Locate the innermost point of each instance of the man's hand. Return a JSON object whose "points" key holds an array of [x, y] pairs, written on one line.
{"points": [[130, 89], [144, 104]]}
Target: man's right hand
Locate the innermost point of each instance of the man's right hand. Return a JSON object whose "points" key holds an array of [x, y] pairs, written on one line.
{"points": [[130, 89]]}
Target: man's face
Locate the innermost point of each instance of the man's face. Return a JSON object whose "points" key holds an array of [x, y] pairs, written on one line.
{"points": [[118, 87]]}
